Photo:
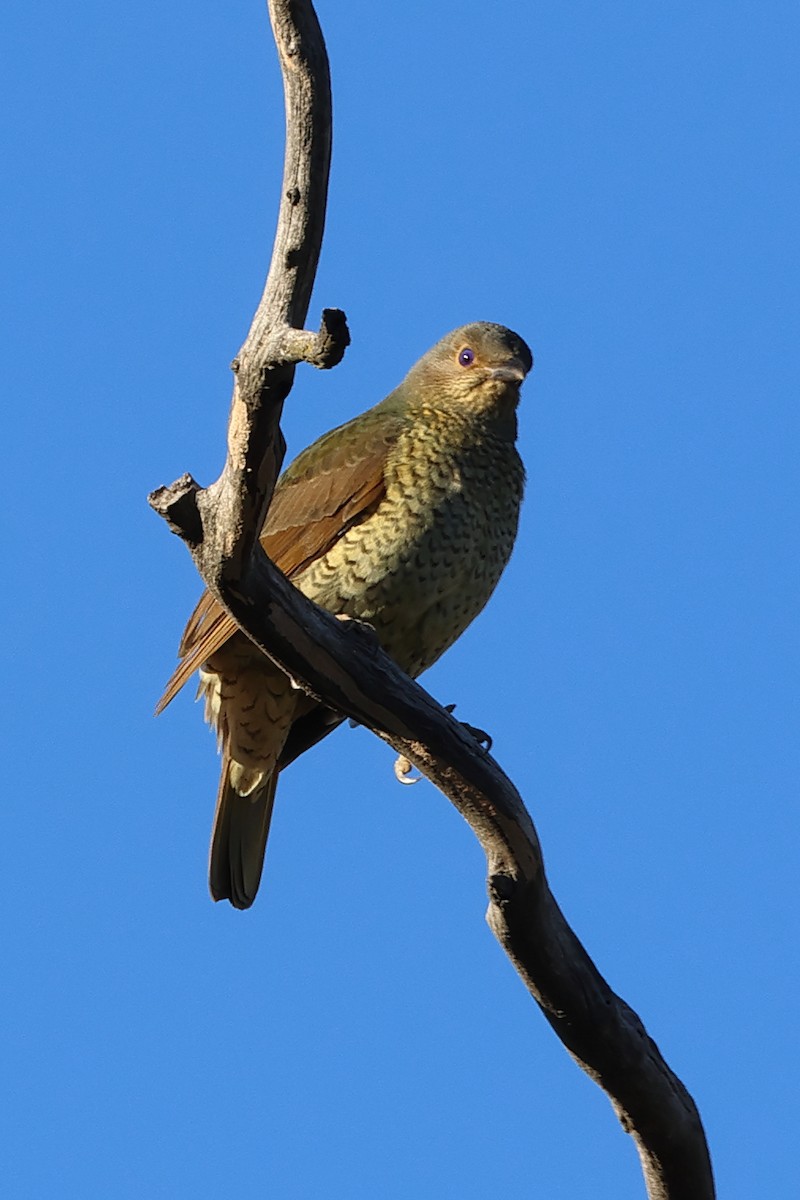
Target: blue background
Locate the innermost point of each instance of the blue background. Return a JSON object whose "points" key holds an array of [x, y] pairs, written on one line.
{"points": [[617, 182]]}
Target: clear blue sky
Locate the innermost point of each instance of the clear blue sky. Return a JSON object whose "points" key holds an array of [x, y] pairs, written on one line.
{"points": [[619, 183]]}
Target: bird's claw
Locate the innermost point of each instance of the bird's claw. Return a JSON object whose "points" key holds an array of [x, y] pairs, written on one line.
{"points": [[361, 629], [402, 770], [480, 735]]}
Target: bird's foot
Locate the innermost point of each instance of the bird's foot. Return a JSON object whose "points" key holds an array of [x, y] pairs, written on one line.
{"points": [[403, 766], [402, 770], [358, 626], [480, 735]]}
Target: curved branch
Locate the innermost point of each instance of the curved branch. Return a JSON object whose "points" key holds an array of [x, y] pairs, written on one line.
{"points": [[221, 523], [342, 665]]}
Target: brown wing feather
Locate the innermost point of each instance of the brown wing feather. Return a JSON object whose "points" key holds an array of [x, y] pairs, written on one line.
{"points": [[293, 544], [336, 484]]}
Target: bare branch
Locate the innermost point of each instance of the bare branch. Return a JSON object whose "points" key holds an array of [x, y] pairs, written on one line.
{"points": [[221, 524], [343, 666], [341, 663]]}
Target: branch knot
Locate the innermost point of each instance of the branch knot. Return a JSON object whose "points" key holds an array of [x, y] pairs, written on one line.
{"points": [[501, 889], [177, 504]]}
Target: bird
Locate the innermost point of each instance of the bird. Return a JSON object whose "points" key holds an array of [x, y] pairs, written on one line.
{"points": [[403, 518]]}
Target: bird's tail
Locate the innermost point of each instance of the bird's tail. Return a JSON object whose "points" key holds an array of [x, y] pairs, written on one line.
{"points": [[239, 838]]}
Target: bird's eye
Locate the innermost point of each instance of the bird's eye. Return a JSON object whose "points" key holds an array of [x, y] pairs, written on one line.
{"points": [[466, 357]]}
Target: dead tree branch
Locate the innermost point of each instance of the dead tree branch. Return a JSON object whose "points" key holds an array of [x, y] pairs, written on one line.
{"points": [[221, 523], [342, 665]]}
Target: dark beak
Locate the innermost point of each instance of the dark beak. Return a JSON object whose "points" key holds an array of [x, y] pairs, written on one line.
{"points": [[511, 371]]}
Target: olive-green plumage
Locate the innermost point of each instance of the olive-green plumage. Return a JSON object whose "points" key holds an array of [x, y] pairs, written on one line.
{"points": [[404, 517]]}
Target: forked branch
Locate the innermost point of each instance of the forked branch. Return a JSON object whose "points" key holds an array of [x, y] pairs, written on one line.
{"points": [[341, 665], [221, 523]]}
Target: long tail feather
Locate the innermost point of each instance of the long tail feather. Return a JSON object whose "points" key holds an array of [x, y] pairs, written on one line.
{"points": [[239, 839]]}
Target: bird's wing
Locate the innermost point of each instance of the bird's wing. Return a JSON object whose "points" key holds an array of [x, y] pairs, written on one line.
{"points": [[333, 485]]}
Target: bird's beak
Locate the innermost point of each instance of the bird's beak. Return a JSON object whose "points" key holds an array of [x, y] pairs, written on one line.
{"points": [[510, 372]]}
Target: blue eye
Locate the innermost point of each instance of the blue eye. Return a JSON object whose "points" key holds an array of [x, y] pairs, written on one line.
{"points": [[466, 357]]}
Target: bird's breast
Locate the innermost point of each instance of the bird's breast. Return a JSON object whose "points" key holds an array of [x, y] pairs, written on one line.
{"points": [[426, 561]]}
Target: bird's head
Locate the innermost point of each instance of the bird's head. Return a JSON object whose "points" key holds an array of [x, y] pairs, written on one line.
{"points": [[480, 366]]}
